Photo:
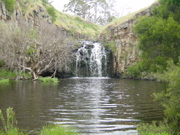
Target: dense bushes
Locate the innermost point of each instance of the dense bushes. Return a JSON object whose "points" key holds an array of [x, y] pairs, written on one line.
{"points": [[158, 38], [170, 98], [9, 4], [153, 129], [159, 43], [52, 13], [9, 126]]}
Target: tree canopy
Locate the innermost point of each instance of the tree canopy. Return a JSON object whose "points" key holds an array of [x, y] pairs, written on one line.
{"points": [[159, 44], [158, 35], [97, 11]]}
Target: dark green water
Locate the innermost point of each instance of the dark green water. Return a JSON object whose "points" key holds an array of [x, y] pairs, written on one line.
{"points": [[91, 105]]}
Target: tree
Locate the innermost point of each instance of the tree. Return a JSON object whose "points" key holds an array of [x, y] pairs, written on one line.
{"points": [[97, 11], [52, 13], [159, 41], [36, 50]]}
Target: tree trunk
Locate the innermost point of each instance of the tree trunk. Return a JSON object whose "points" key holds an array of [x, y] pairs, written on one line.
{"points": [[35, 76]]}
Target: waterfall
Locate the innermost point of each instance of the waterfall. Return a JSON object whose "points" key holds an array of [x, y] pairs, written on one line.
{"points": [[91, 60]]}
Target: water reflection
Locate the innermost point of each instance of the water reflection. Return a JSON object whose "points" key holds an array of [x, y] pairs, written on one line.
{"points": [[93, 106]]}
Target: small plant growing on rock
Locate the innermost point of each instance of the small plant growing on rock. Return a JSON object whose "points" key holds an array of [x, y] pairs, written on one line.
{"points": [[9, 4]]}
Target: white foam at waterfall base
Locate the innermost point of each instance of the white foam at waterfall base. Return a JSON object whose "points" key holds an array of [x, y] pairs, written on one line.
{"points": [[93, 54]]}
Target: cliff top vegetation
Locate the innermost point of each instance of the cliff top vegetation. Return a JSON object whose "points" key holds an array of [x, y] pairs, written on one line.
{"points": [[118, 21], [74, 24]]}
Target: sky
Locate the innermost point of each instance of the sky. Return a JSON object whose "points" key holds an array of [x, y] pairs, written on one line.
{"points": [[123, 7]]}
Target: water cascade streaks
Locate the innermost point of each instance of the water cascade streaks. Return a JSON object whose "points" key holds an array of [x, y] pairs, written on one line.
{"points": [[91, 60]]}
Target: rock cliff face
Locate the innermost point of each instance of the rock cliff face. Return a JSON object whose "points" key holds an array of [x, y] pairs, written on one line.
{"points": [[34, 17], [123, 38]]}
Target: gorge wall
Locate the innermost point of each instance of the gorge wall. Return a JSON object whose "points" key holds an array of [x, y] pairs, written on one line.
{"points": [[122, 39], [34, 14]]}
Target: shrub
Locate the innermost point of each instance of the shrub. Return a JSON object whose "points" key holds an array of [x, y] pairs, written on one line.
{"points": [[7, 74], [9, 4], [153, 129], [52, 13], [135, 71], [170, 98], [9, 126], [4, 81], [1, 63], [48, 80], [56, 130]]}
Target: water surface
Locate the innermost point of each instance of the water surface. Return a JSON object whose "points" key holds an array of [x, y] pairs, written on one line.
{"points": [[93, 106]]}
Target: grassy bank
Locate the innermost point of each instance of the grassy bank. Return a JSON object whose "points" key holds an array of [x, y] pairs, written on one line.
{"points": [[49, 80], [6, 74], [73, 24], [4, 81], [9, 126]]}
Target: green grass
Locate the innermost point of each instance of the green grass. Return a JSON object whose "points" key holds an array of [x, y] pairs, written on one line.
{"points": [[77, 25], [155, 128], [10, 5], [4, 81], [7, 74], [48, 80], [56, 130], [122, 20], [74, 24], [12, 131], [9, 126]]}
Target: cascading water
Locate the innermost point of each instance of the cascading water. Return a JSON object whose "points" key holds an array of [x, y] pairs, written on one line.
{"points": [[91, 60]]}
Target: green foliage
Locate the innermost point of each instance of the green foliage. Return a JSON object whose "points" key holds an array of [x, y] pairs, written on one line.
{"points": [[49, 80], [51, 11], [168, 8], [1, 63], [11, 74], [96, 11], [4, 81], [56, 130], [158, 40], [170, 98], [112, 46], [159, 43], [133, 71], [9, 4], [9, 125], [136, 70], [153, 129], [7, 74]]}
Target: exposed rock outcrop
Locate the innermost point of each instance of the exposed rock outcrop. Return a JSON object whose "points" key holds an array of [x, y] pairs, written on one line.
{"points": [[34, 17], [125, 40]]}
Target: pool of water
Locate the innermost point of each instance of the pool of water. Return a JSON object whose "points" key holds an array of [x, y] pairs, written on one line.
{"points": [[92, 106]]}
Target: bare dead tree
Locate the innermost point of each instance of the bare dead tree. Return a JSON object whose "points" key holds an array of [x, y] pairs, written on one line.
{"points": [[36, 50]]}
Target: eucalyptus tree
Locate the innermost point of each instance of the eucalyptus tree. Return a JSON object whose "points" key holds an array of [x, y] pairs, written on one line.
{"points": [[97, 11]]}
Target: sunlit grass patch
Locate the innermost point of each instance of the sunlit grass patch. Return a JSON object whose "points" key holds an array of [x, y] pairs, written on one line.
{"points": [[4, 81], [48, 80], [155, 128], [7, 74], [57, 130]]}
